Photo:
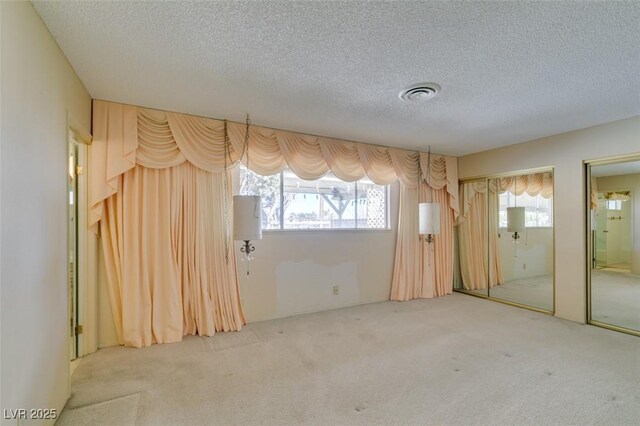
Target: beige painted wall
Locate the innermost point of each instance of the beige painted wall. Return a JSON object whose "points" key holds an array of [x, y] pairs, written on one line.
{"points": [[566, 152], [39, 87], [631, 183], [294, 272], [531, 257]]}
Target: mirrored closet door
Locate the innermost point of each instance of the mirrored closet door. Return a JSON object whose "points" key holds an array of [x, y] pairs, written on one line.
{"points": [[506, 239], [614, 245]]}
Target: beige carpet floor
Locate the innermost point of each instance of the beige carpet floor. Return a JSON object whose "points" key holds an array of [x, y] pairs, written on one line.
{"points": [[615, 295], [457, 360], [534, 291], [616, 298]]}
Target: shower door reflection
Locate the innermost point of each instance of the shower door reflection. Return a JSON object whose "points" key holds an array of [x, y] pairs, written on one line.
{"points": [[615, 245]]}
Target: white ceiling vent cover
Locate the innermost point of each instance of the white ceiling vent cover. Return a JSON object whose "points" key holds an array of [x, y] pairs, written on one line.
{"points": [[419, 92]]}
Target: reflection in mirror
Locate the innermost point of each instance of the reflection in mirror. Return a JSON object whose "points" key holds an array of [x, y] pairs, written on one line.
{"points": [[615, 244], [521, 239], [472, 238]]}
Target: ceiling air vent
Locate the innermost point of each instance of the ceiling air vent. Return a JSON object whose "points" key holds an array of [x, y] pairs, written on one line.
{"points": [[419, 92]]}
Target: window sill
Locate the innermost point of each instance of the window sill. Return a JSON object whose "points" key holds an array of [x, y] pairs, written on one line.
{"points": [[324, 231], [529, 227]]}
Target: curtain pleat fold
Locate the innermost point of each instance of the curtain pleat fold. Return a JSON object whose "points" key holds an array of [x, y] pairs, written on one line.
{"points": [[472, 234], [343, 159], [593, 197]]}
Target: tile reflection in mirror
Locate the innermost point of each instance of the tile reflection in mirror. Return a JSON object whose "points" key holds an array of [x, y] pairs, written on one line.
{"points": [[522, 243], [615, 244]]}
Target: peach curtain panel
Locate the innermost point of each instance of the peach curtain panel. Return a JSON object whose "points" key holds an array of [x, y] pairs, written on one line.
{"points": [[165, 258], [593, 199], [424, 270], [155, 198], [479, 255]]}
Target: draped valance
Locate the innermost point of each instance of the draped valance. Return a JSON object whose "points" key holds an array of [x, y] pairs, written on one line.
{"points": [[126, 135], [532, 184]]}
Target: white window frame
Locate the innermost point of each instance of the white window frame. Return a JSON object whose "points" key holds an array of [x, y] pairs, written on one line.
{"points": [[282, 229]]}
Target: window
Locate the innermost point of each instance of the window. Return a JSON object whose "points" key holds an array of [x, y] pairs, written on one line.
{"points": [[614, 204], [538, 211], [289, 202]]}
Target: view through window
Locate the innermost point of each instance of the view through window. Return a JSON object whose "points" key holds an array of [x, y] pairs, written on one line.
{"points": [[289, 202]]}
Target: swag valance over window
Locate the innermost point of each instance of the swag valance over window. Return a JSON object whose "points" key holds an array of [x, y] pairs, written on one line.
{"points": [[126, 135], [532, 184]]}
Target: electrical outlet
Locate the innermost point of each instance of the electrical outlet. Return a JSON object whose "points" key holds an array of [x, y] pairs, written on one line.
{"points": [[336, 290]]}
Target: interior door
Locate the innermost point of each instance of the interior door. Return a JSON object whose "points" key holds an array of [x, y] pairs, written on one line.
{"points": [[72, 244]]}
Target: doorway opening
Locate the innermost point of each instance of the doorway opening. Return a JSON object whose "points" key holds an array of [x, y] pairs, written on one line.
{"points": [[81, 249], [613, 231], [74, 169], [81, 259]]}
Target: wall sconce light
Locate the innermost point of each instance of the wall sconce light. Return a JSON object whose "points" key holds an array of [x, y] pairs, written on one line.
{"points": [[515, 215], [429, 220], [247, 209], [515, 221], [247, 223], [429, 212]]}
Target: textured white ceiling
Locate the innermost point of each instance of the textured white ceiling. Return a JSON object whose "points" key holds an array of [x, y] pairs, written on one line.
{"points": [[509, 71], [630, 168]]}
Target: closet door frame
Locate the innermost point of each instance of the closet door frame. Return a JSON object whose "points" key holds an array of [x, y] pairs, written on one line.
{"points": [[589, 236], [487, 178]]}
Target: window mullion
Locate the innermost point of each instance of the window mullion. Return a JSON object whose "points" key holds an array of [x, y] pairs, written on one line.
{"points": [[387, 222], [281, 200], [355, 206]]}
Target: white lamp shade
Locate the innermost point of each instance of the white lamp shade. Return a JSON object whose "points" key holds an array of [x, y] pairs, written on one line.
{"points": [[247, 224], [515, 219], [429, 218]]}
